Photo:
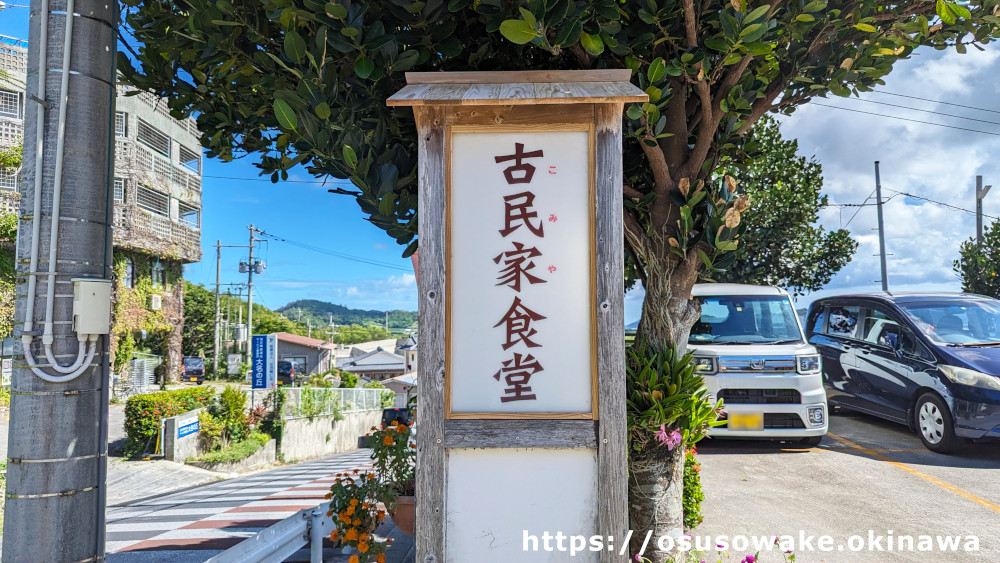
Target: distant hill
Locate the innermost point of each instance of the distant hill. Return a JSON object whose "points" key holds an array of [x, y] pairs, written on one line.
{"points": [[319, 313]]}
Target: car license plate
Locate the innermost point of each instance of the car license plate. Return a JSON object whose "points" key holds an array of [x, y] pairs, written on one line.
{"points": [[194, 379], [746, 421], [281, 382]]}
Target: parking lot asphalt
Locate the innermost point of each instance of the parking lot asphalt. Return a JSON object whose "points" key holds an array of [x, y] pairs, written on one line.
{"points": [[868, 478]]}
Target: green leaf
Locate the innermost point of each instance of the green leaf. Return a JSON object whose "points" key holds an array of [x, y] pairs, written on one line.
{"points": [[654, 94], [750, 29], [528, 17], [805, 18], [592, 43], [295, 46], [814, 6], [363, 67], [286, 117], [866, 27], [323, 111], [960, 11], [656, 70], [336, 11], [634, 112], [758, 12], [406, 60], [518, 31], [350, 157], [726, 245]]}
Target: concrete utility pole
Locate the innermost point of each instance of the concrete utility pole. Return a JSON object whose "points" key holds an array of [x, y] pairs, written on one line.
{"points": [[218, 274], [250, 294], [57, 444], [981, 192], [881, 228]]}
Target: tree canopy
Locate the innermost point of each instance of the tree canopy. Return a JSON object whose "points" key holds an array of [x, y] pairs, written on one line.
{"points": [[978, 264], [304, 82], [782, 244]]}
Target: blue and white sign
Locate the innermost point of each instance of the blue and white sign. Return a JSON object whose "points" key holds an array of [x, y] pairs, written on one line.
{"points": [[186, 429], [264, 357]]}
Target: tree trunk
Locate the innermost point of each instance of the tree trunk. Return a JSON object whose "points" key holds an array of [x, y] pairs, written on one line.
{"points": [[668, 312], [656, 474], [655, 498]]}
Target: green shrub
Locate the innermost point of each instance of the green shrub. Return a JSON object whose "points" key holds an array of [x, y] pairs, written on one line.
{"points": [[211, 431], [316, 402], [318, 380], [273, 422], [238, 451], [4, 397], [143, 413], [348, 380], [693, 495], [231, 409]]}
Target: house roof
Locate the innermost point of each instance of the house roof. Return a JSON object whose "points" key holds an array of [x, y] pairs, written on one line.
{"points": [[405, 379], [304, 341], [377, 360]]}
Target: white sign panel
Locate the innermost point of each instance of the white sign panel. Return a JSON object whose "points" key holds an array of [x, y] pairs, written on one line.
{"points": [[520, 273], [500, 505]]}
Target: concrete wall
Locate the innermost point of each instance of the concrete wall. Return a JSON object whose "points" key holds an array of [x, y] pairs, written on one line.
{"points": [[263, 457], [178, 448], [304, 438]]}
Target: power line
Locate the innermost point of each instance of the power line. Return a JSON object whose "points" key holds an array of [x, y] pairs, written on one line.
{"points": [[859, 209], [941, 203], [935, 101], [907, 119], [926, 111], [334, 253]]}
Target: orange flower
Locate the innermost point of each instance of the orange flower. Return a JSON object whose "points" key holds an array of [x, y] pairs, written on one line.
{"points": [[363, 547], [344, 518], [354, 559], [364, 505], [387, 440], [328, 496], [371, 475], [329, 513], [374, 429], [334, 534], [380, 558], [356, 471], [413, 445], [363, 537], [402, 429], [350, 511], [356, 522], [381, 515], [354, 502], [351, 534]]}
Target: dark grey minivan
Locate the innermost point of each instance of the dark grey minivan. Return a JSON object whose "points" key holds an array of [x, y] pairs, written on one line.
{"points": [[927, 360]]}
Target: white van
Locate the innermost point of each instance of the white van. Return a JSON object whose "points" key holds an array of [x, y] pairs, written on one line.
{"points": [[756, 359]]}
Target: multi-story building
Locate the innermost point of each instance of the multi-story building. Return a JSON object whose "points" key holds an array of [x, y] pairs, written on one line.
{"points": [[157, 210]]}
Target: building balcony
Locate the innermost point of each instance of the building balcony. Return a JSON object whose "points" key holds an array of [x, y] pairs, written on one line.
{"points": [[138, 229]]}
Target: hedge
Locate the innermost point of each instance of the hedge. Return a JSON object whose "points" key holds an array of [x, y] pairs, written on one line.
{"points": [[143, 413]]}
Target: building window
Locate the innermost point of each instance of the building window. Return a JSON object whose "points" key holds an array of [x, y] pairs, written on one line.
{"points": [[153, 138], [152, 201], [189, 215], [8, 179], [190, 159], [119, 190], [129, 280], [159, 274], [10, 104], [121, 124]]}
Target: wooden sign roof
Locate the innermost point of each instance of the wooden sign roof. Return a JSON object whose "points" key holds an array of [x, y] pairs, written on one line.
{"points": [[517, 88]]}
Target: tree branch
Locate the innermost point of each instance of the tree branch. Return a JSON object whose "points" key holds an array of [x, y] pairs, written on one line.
{"points": [[635, 235]]}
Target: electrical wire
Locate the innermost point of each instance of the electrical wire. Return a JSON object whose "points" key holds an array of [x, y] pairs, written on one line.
{"points": [[925, 111], [935, 101], [859, 210], [907, 119], [334, 253], [941, 203]]}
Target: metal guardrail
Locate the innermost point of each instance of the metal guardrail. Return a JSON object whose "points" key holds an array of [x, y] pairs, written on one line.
{"points": [[279, 542], [302, 402]]}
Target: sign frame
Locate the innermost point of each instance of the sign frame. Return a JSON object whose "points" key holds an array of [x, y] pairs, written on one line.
{"points": [[534, 101], [263, 361]]}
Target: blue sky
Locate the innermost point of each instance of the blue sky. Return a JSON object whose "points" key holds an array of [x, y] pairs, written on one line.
{"points": [[922, 238]]}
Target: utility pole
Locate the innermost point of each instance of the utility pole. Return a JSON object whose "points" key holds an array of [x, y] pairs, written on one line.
{"points": [[387, 323], [981, 192], [57, 442], [881, 228], [218, 274], [250, 294], [309, 324]]}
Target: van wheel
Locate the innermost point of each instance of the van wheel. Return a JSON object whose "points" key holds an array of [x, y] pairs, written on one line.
{"points": [[932, 419]]}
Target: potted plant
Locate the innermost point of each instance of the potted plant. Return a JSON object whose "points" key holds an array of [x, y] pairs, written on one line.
{"points": [[393, 456], [353, 507]]}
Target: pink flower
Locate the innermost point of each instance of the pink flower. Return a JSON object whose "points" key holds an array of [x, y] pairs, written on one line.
{"points": [[749, 559], [675, 439], [662, 436]]}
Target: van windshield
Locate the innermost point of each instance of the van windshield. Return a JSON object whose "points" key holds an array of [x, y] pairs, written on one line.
{"points": [[959, 322], [746, 319]]}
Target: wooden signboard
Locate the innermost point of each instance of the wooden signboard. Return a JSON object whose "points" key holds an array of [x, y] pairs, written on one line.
{"points": [[521, 403]]}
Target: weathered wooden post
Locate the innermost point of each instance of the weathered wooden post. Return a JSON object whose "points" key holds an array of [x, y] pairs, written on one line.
{"points": [[521, 405]]}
